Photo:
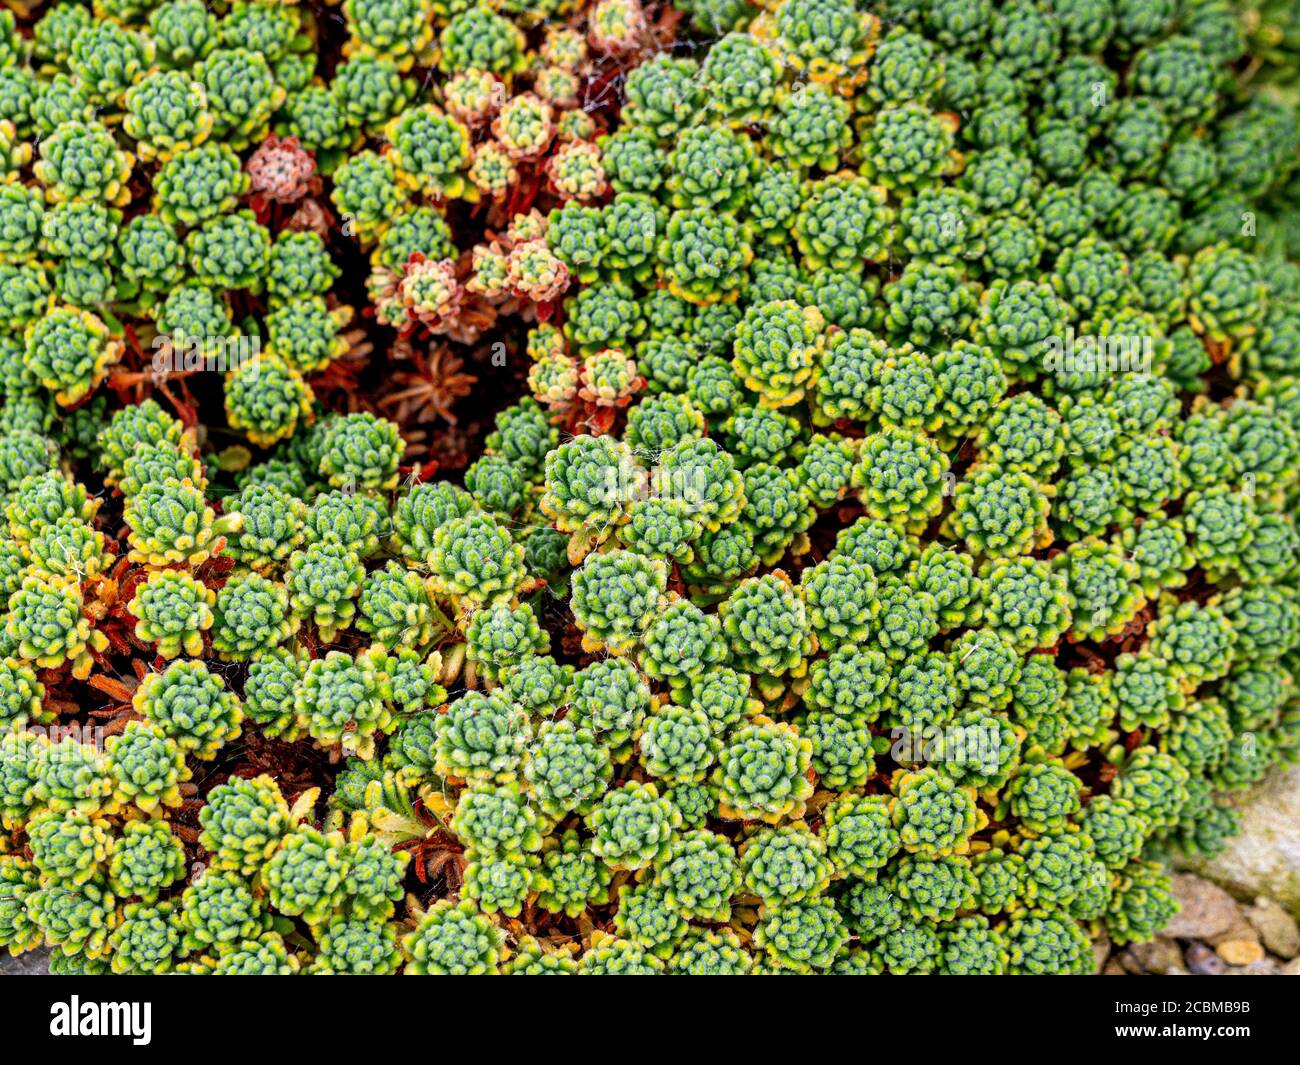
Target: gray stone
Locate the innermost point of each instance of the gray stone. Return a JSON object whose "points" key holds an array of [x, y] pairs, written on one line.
{"points": [[1242, 931], [1277, 928], [1160, 956], [32, 963], [1205, 910], [1265, 858]]}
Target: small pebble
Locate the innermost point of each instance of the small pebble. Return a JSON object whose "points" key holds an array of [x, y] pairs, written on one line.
{"points": [[1240, 951], [1202, 961]]}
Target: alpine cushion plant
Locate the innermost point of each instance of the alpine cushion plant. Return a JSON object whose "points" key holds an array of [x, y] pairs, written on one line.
{"points": [[874, 550]]}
